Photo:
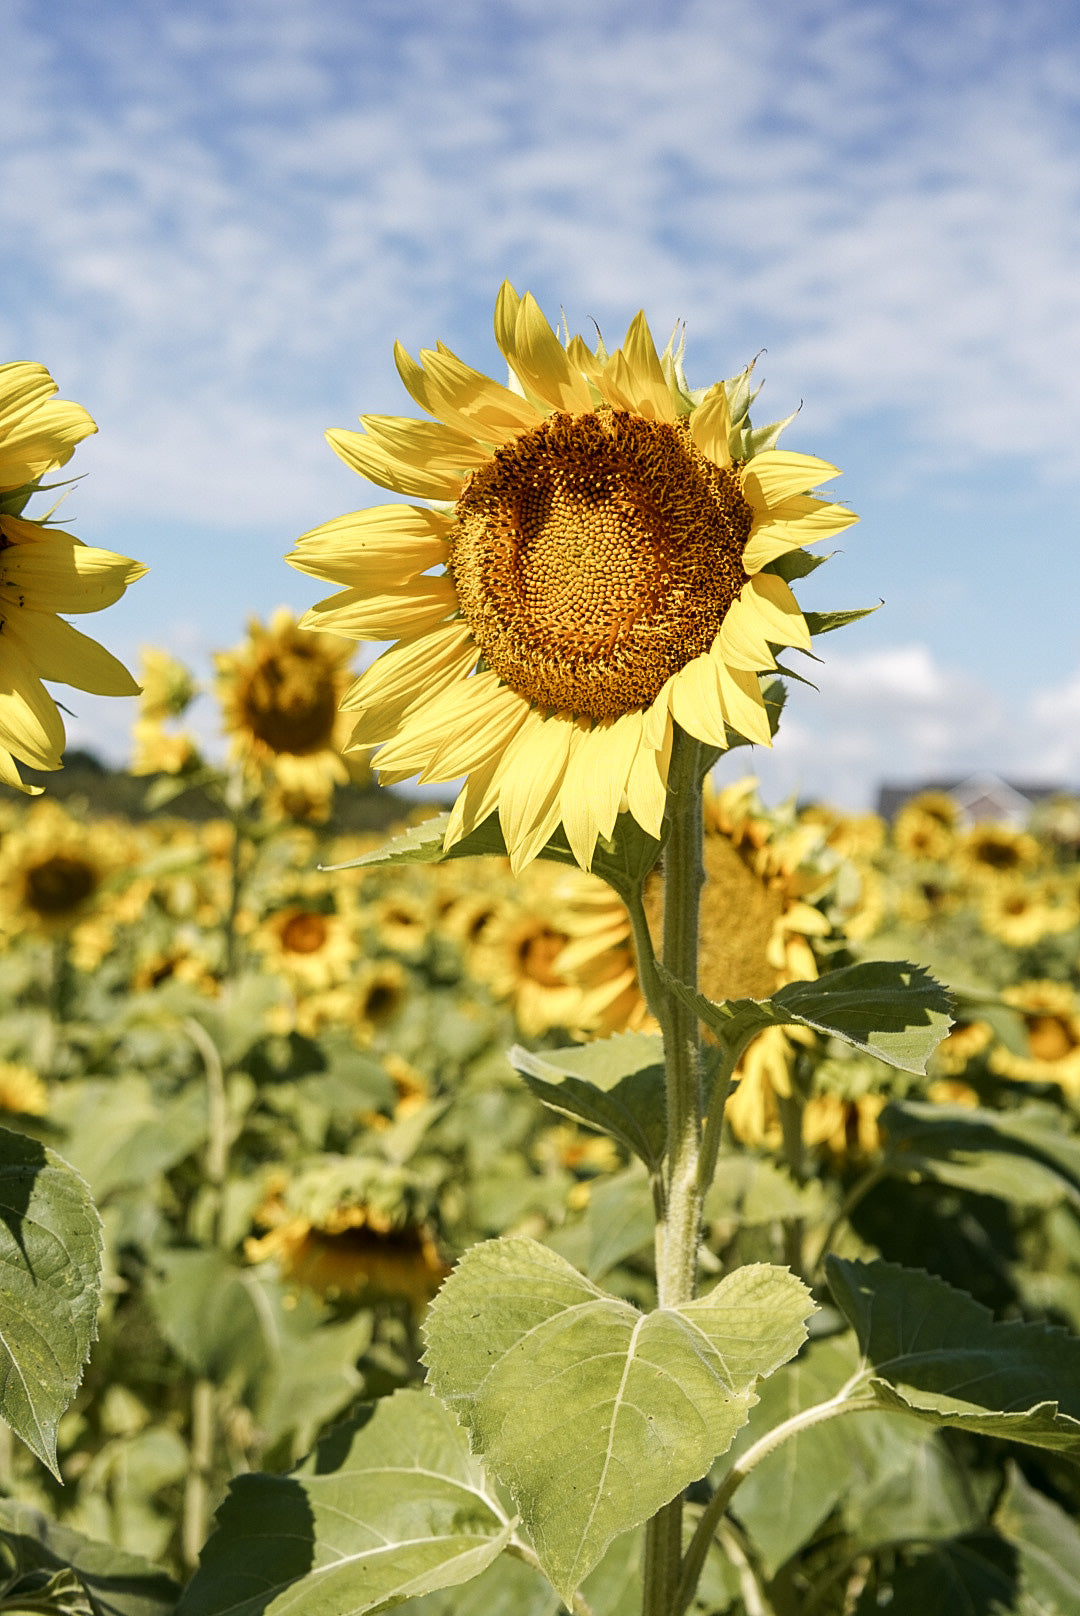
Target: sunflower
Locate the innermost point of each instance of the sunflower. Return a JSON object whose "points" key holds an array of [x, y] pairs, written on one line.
{"points": [[1051, 1017], [53, 870], [765, 879], [517, 954], [44, 572], [610, 550], [348, 1227], [994, 852], [309, 947], [927, 826], [22, 1092], [1021, 913], [279, 693]]}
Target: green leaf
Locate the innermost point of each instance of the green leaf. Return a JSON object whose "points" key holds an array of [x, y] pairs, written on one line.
{"points": [[389, 1505], [50, 1256], [751, 1190], [1022, 1155], [230, 1325], [121, 1133], [559, 1382], [619, 1220], [825, 622], [886, 1008], [775, 1503], [615, 1085], [119, 1583], [1048, 1542], [973, 1575], [796, 564], [938, 1353], [624, 862]]}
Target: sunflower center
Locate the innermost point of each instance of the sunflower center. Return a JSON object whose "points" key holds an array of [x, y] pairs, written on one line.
{"points": [[596, 556], [289, 701], [304, 932], [58, 885], [537, 954], [1050, 1038]]}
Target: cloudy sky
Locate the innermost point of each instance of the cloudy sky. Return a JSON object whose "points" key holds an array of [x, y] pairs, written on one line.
{"points": [[216, 217]]}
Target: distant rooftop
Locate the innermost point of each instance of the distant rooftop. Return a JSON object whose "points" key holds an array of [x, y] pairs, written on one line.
{"points": [[978, 796]]}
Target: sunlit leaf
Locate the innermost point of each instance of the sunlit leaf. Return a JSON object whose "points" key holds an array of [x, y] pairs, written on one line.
{"points": [[390, 1505], [50, 1287], [555, 1379], [613, 1084]]}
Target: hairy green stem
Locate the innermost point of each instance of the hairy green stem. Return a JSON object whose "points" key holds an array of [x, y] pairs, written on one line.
{"points": [[678, 1232]]}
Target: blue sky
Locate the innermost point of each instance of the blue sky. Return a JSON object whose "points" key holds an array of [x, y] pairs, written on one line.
{"points": [[215, 218]]}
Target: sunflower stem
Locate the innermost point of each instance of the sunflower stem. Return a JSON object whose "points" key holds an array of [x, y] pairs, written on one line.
{"points": [[678, 1233]]}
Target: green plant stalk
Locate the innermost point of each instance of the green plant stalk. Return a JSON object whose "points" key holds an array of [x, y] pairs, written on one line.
{"points": [[679, 1230], [842, 1403]]}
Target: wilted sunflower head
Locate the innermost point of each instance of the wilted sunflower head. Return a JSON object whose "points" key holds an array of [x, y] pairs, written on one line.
{"points": [[612, 550], [353, 1227], [279, 693]]}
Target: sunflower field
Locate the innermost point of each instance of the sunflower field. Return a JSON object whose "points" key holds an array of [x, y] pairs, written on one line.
{"points": [[607, 1192]]}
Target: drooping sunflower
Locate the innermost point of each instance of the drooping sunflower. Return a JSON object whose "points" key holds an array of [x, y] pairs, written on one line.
{"points": [[279, 693], [352, 1227], [611, 550], [44, 572]]}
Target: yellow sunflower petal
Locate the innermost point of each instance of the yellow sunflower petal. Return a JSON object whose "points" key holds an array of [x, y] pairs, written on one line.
{"points": [[744, 707], [577, 808], [602, 767], [400, 613], [778, 609], [710, 425], [652, 399], [371, 549], [57, 651], [696, 704], [30, 725], [426, 446], [476, 801], [741, 642], [776, 474], [405, 665], [530, 787], [367, 457], [50, 571], [794, 522], [646, 791], [37, 432], [464, 723], [539, 359], [10, 776], [465, 398]]}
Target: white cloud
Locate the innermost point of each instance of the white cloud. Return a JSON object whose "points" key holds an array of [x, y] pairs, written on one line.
{"points": [[226, 213]]}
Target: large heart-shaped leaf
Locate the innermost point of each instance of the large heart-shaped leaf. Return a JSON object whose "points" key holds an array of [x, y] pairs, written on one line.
{"points": [[387, 1506], [593, 1414], [50, 1262], [938, 1353], [1020, 1155], [111, 1581]]}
